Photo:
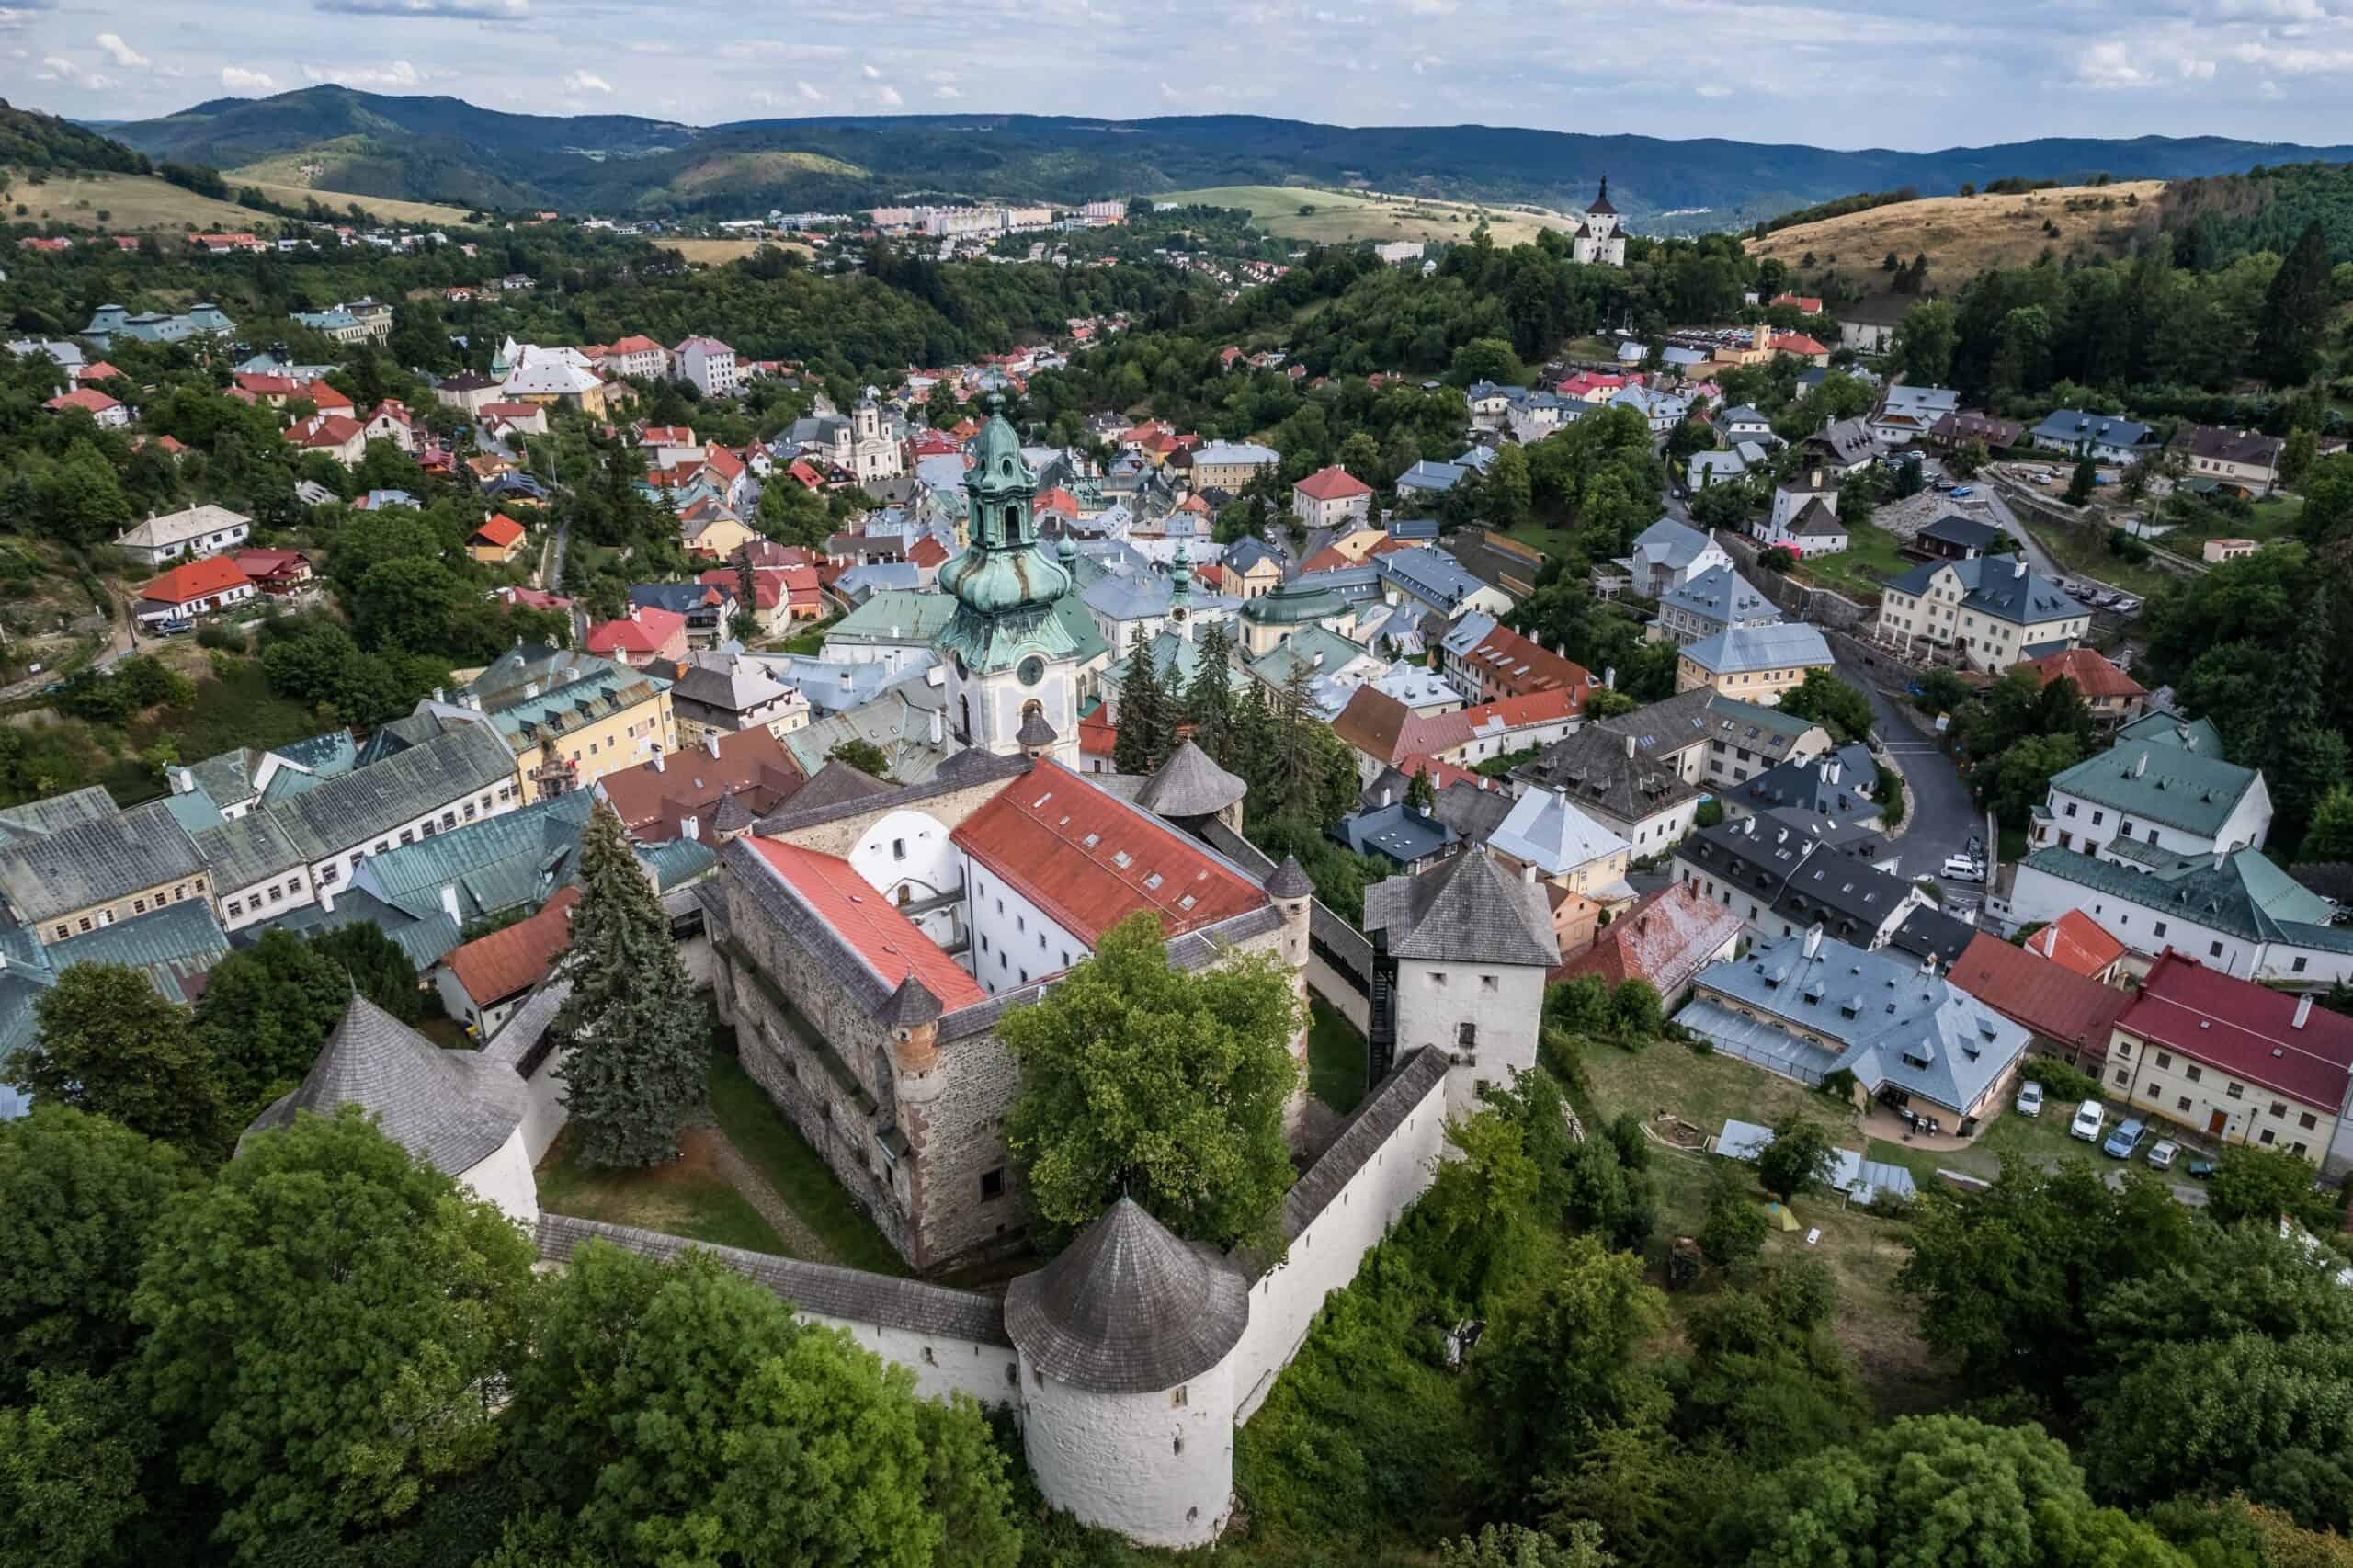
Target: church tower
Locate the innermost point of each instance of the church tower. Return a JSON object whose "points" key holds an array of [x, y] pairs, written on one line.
{"points": [[1019, 633]]}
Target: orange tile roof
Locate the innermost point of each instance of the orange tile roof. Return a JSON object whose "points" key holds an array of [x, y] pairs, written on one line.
{"points": [[2076, 941], [516, 958], [884, 940], [2050, 999], [499, 529], [2092, 673], [1090, 860], [90, 398], [326, 430], [927, 552], [646, 631], [1797, 343], [195, 580], [1665, 939]]}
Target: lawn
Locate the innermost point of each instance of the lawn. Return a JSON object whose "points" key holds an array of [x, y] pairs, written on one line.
{"points": [[1873, 556], [2273, 519], [685, 1198], [2039, 1140], [1335, 1058], [1554, 542], [2085, 552], [760, 1132], [809, 643], [1874, 1323]]}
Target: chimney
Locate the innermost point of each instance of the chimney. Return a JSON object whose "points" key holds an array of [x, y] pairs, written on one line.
{"points": [[1384, 797], [450, 901], [690, 828], [2303, 1009], [2221, 859], [2139, 765], [183, 781], [710, 743], [2018, 568], [1780, 834], [1813, 939], [439, 696], [937, 724], [659, 761], [1528, 872], [1609, 677], [1629, 748]]}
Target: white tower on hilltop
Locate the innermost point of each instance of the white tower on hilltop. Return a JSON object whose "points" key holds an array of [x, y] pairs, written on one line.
{"points": [[1599, 241]]}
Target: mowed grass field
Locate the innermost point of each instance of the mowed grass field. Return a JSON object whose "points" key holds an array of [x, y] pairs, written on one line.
{"points": [[381, 207], [1964, 235], [132, 204], [716, 253], [1331, 216]]}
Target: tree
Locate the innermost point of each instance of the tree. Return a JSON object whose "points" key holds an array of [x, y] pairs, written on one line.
{"points": [[70, 1475], [404, 606], [1735, 1227], [324, 1324], [2019, 779], [1799, 1158], [1421, 795], [1506, 487], [2255, 1183], [2330, 837], [1486, 359], [1516, 1546], [1165, 1084], [2288, 340], [634, 1071], [678, 1413], [2083, 482], [1209, 695], [1924, 341], [2297, 455], [82, 1192], [1832, 703], [108, 1044], [792, 514], [1927, 1492], [1559, 1366], [374, 965], [1147, 729], [864, 756], [265, 1013]]}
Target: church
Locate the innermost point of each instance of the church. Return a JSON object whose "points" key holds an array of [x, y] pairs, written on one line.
{"points": [[1599, 242]]}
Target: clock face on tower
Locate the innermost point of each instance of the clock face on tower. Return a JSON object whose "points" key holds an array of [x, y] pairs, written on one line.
{"points": [[1031, 671]]}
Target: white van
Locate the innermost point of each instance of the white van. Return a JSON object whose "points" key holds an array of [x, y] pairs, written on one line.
{"points": [[1961, 869]]}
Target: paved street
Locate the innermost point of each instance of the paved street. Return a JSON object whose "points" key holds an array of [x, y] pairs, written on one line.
{"points": [[1942, 817]]}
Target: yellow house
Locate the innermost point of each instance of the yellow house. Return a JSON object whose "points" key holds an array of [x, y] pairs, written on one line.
{"points": [[498, 541], [718, 533], [1753, 663], [571, 717], [1357, 541], [82, 876]]}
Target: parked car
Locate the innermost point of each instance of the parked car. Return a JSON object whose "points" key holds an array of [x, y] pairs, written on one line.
{"points": [[2199, 1169], [2163, 1154], [1963, 491], [176, 628], [2029, 1099], [2089, 1119], [1961, 869], [2123, 1140]]}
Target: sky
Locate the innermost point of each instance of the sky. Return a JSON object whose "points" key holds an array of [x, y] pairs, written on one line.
{"points": [[1902, 73]]}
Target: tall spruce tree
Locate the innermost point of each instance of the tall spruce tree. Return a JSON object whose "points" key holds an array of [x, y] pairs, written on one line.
{"points": [[1209, 696], [634, 1071], [2295, 312], [1144, 724]]}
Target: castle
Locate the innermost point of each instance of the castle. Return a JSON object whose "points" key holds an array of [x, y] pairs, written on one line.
{"points": [[1597, 241], [864, 952]]}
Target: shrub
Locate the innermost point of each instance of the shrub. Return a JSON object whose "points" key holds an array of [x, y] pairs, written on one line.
{"points": [[219, 634], [2059, 1081]]}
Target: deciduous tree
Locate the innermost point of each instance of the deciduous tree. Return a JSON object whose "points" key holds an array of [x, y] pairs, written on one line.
{"points": [[109, 1045]]}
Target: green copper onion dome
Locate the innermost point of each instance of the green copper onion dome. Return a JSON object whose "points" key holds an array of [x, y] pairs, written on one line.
{"points": [[1006, 569], [1296, 602]]}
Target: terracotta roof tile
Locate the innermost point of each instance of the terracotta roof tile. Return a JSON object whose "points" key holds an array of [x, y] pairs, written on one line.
{"points": [[195, 580], [883, 940], [2055, 1003], [516, 958]]}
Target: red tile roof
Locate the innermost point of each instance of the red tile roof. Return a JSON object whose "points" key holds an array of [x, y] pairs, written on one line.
{"points": [[654, 802], [928, 552], [884, 940], [1328, 559], [2055, 1003], [195, 580], [1518, 666], [1808, 304], [517, 958], [257, 563], [645, 632], [2244, 1030], [326, 430], [1090, 860], [2076, 941], [1796, 343], [1666, 938], [90, 398], [534, 598], [499, 529], [1097, 736], [1333, 483], [2091, 672]]}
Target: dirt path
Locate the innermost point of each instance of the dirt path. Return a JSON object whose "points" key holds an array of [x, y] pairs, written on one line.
{"points": [[746, 1178]]}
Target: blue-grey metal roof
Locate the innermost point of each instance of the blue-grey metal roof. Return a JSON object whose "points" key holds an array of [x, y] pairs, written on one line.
{"points": [[2003, 586], [2073, 428], [1781, 646], [1430, 575], [1967, 533], [1396, 832], [1721, 595], [1838, 786], [1893, 1022]]}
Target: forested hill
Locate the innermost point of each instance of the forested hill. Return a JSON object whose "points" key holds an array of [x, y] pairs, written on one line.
{"points": [[35, 142], [2216, 219], [441, 148]]}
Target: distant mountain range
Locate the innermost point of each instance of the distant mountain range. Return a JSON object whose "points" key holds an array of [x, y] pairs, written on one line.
{"points": [[443, 149]]}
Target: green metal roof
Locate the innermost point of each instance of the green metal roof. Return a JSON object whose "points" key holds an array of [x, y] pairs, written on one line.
{"points": [[1295, 603], [2246, 896], [2181, 788], [1274, 667], [496, 864], [894, 615]]}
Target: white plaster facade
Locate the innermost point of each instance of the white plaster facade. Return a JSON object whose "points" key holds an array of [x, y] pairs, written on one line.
{"points": [[1157, 1467], [1482, 1015], [503, 1178], [2090, 826], [1015, 943]]}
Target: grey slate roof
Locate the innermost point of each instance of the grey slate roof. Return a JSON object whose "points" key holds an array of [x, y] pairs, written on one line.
{"points": [[1837, 786], [1808, 872], [248, 849], [1128, 1308], [1781, 646], [1396, 832], [95, 860], [1190, 785], [849, 1295], [1366, 1129], [358, 805], [1595, 768], [1463, 910], [177, 944], [2003, 586], [1929, 933], [1968, 533], [40, 819], [1696, 717], [1721, 595], [1289, 880], [450, 1109]]}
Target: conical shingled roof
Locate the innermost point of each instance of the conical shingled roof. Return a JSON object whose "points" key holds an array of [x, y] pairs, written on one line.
{"points": [[450, 1109], [1190, 785], [1126, 1308], [733, 815], [911, 1006], [1289, 880], [1034, 730], [1466, 911]]}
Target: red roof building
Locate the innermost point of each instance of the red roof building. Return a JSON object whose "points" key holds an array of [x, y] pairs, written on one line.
{"points": [[1798, 344], [2079, 944], [1388, 731], [533, 598], [639, 637], [90, 401], [2232, 1060], [1333, 483], [2112, 695], [1505, 663], [1807, 304], [1087, 860], [273, 571], [502, 968], [193, 587], [1666, 940], [2067, 1012], [656, 800], [866, 924]]}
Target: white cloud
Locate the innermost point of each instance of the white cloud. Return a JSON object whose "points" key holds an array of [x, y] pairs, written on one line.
{"points": [[809, 94], [944, 91], [121, 54], [1714, 90], [583, 82], [887, 98], [55, 68], [2112, 66], [2297, 60], [871, 73], [394, 73], [475, 10], [941, 78], [239, 80]]}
